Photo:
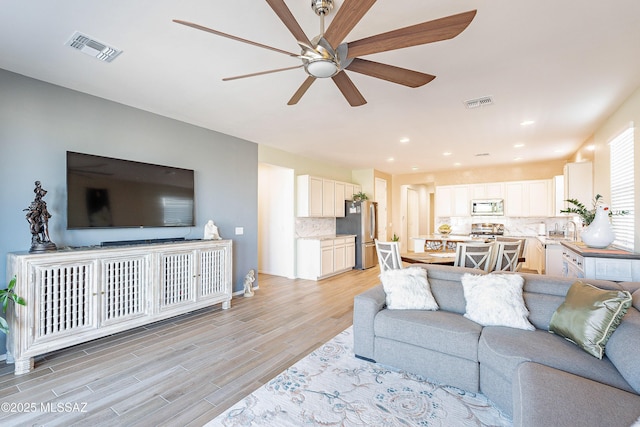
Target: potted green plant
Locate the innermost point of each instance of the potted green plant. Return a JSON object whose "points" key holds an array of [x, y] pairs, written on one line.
{"points": [[359, 197], [395, 238], [7, 295], [587, 215]]}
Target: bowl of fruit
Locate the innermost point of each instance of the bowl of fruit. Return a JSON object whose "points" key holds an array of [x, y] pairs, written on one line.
{"points": [[444, 229]]}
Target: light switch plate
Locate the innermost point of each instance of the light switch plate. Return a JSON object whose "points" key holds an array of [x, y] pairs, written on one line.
{"points": [[239, 231]]}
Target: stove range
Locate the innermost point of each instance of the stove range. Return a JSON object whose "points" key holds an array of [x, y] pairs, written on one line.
{"points": [[487, 230]]}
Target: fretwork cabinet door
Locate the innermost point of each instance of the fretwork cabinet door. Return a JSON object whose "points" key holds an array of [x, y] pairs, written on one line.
{"points": [[214, 274], [177, 279], [66, 295], [124, 288]]}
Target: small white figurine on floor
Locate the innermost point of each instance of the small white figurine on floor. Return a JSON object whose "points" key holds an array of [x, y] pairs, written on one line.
{"points": [[211, 231], [248, 283]]}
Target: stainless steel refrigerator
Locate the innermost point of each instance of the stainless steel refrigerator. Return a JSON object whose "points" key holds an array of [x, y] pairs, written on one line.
{"points": [[361, 219]]}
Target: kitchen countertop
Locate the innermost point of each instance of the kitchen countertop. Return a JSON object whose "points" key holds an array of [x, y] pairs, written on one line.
{"points": [[552, 241], [609, 252], [447, 237], [327, 237]]}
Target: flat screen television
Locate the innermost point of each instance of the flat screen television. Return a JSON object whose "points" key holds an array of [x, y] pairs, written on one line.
{"points": [[104, 192]]}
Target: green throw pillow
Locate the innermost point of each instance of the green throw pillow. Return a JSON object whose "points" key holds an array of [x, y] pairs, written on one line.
{"points": [[589, 315]]}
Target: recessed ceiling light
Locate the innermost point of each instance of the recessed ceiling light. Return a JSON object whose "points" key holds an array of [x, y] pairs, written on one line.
{"points": [[457, 164], [415, 168], [517, 159], [404, 140], [390, 159], [518, 145], [527, 123], [447, 153]]}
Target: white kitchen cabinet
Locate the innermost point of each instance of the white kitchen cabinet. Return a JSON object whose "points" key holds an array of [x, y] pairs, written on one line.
{"points": [[328, 198], [558, 195], [492, 190], [618, 268], [74, 296], [310, 196], [553, 259], [452, 200], [578, 183], [322, 197], [340, 197], [528, 198], [534, 255], [323, 257]]}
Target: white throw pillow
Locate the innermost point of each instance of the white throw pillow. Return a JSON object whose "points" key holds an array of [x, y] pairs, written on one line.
{"points": [[408, 289], [496, 300]]}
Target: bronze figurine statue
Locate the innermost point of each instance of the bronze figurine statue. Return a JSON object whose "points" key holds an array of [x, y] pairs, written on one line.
{"points": [[38, 218]]}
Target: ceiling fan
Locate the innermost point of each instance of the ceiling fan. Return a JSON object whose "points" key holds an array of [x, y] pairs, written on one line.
{"points": [[327, 55]]}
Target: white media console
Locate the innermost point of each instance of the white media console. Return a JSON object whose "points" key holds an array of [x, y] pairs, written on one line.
{"points": [[78, 295]]}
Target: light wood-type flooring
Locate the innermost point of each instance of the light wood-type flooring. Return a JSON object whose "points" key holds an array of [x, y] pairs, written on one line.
{"points": [[186, 370]]}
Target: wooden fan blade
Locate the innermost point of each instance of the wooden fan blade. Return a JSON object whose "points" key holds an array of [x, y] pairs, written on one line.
{"points": [[287, 18], [349, 14], [427, 32], [229, 36], [259, 73], [348, 89], [390, 73], [301, 90]]}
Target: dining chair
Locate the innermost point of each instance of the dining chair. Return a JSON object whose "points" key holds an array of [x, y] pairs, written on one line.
{"points": [[507, 255], [475, 255], [523, 244], [388, 255]]}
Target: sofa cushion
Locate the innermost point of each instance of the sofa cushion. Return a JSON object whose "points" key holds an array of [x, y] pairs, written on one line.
{"points": [[495, 300], [503, 349], [441, 331], [446, 285], [543, 295], [589, 315], [408, 288], [544, 396], [622, 347]]}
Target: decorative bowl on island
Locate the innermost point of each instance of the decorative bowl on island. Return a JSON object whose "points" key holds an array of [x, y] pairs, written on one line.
{"points": [[444, 229]]}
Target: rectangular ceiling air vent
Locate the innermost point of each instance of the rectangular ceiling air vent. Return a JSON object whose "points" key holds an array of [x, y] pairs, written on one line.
{"points": [[92, 47], [479, 102]]}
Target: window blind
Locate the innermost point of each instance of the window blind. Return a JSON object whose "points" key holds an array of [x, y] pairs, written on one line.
{"points": [[622, 187]]}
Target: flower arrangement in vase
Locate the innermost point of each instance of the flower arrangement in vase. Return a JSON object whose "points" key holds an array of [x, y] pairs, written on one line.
{"points": [[598, 232]]}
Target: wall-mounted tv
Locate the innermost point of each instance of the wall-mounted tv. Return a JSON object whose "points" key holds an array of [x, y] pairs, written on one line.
{"points": [[104, 192]]}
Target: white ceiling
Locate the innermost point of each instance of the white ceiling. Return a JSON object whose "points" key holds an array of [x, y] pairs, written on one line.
{"points": [[567, 65]]}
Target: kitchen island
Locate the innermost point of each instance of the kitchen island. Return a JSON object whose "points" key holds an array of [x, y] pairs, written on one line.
{"points": [[610, 263]]}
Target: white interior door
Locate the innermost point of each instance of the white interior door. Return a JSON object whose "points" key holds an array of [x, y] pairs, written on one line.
{"points": [[413, 214], [381, 198]]}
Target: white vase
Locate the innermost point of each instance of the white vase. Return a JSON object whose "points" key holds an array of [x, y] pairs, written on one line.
{"points": [[599, 234]]}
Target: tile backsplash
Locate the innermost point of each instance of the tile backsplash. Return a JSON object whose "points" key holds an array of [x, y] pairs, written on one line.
{"points": [[513, 226], [314, 227]]}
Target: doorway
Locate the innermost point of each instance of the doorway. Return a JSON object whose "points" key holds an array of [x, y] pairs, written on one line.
{"points": [[413, 214], [381, 198], [276, 224]]}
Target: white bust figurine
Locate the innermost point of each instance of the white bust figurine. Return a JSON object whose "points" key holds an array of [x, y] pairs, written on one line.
{"points": [[211, 231]]}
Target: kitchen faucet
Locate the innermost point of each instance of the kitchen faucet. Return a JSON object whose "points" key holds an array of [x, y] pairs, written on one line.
{"points": [[575, 230]]}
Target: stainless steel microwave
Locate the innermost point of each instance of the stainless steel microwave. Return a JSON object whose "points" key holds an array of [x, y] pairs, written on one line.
{"points": [[487, 207]]}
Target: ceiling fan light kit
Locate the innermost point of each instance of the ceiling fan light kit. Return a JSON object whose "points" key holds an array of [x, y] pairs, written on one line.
{"points": [[327, 55]]}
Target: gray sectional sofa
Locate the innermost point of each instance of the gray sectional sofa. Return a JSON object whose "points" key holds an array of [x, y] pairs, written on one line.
{"points": [[538, 378]]}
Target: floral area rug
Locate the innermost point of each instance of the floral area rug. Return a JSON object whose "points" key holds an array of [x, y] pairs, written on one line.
{"points": [[331, 387]]}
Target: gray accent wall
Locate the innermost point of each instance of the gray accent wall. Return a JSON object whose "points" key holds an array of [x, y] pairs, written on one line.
{"points": [[40, 122]]}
